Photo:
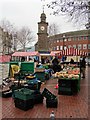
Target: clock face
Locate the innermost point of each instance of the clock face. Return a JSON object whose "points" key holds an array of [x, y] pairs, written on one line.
{"points": [[42, 28]]}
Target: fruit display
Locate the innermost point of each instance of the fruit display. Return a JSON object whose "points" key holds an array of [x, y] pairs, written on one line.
{"points": [[68, 73]]}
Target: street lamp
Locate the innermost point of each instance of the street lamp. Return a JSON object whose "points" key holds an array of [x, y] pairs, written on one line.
{"points": [[63, 40], [14, 41]]}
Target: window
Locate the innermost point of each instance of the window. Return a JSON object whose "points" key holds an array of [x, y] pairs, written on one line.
{"points": [[54, 48], [57, 47], [80, 38], [65, 47], [84, 46], [69, 39], [57, 40], [88, 46], [74, 46], [69, 46], [65, 39], [85, 38], [74, 38], [79, 46], [88, 37], [61, 47]]}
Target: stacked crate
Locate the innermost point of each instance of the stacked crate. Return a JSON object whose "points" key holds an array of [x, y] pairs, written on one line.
{"points": [[68, 87], [51, 99], [24, 98]]}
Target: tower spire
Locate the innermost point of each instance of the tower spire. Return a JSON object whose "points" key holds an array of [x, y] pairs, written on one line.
{"points": [[43, 8]]}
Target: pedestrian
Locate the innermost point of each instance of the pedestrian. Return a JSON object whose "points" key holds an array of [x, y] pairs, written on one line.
{"points": [[55, 63], [82, 66], [52, 116], [71, 61]]}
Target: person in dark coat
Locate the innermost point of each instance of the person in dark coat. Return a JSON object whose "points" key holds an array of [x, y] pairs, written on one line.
{"points": [[55, 63], [71, 61], [82, 66]]}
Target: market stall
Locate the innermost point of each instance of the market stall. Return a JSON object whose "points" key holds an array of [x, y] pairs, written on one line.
{"points": [[68, 80], [19, 55]]}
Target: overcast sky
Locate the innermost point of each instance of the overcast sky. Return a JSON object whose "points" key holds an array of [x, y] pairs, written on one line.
{"points": [[27, 13]]}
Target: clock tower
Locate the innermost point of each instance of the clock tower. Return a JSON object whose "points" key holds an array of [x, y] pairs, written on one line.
{"points": [[42, 33]]}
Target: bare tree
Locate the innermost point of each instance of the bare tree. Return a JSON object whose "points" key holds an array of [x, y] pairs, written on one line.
{"points": [[53, 29], [8, 26], [77, 10], [25, 37]]}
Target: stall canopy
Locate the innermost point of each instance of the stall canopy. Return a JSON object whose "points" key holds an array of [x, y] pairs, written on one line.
{"points": [[53, 53], [26, 54], [72, 52], [5, 58]]}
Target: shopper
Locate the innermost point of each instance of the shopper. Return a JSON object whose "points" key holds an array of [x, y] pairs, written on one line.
{"points": [[82, 66], [55, 63], [52, 116], [71, 61]]}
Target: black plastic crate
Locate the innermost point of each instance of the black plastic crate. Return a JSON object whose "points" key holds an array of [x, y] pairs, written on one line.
{"points": [[65, 83], [53, 103], [68, 87], [24, 104], [7, 94], [38, 98], [46, 93], [64, 91]]}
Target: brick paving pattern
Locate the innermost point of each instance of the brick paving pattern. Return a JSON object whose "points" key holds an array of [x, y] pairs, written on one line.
{"points": [[68, 106]]}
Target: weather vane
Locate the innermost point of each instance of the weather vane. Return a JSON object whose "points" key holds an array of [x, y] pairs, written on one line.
{"points": [[43, 5], [43, 8]]}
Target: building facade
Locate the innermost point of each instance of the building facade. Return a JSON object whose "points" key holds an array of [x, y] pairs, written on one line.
{"points": [[5, 42], [76, 39]]}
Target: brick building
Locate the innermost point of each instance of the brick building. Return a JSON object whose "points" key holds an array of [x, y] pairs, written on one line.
{"points": [[76, 39]]}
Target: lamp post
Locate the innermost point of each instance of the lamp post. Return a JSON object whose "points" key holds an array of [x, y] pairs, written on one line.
{"points": [[63, 40], [14, 42]]}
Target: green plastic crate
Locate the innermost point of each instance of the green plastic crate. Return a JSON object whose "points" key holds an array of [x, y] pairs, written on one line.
{"points": [[24, 94], [27, 67]]}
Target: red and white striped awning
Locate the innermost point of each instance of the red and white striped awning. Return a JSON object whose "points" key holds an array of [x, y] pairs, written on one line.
{"points": [[53, 53], [73, 52], [21, 54]]}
